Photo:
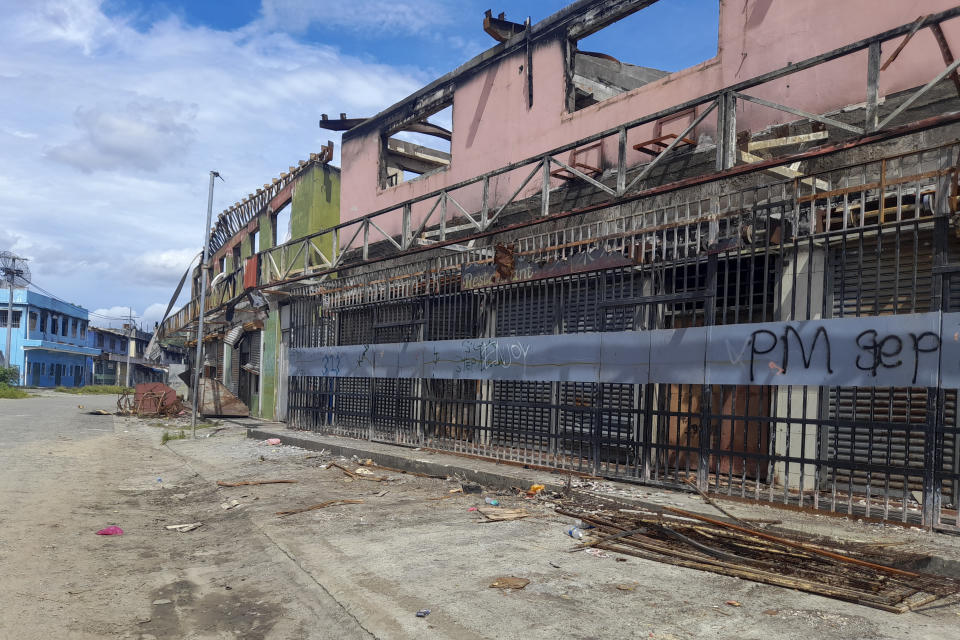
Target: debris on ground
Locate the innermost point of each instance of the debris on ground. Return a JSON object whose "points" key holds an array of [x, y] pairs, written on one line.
{"points": [[98, 412], [322, 505], [272, 441], [535, 489], [221, 483], [183, 528], [509, 582], [469, 487], [423, 613], [853, 572], [227, 506], [499, 514], [734, 603], [112, 530]]}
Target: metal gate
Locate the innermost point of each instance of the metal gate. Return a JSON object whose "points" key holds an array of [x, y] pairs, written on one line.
{"points": [[872, 241]]}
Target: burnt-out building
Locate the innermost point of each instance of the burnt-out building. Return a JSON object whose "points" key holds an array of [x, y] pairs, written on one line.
{"points": [[740, 275]]}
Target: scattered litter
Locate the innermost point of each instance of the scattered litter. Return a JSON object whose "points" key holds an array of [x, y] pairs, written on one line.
{"points": [[381, 494], [554, 565], [493, 502], [98, 412], [574, 532], [509, 582], [322, 505], [472, 509], [627, 587], [733, 603], [535, 489], [469, 487], [498, 514], [363, 471], [163, 601], [460, 490], [423, 613], [233, 504], [272, 440], [112, 530], [183, 528], [621, 559], [773, 612], [597, 553], [221, 483]]}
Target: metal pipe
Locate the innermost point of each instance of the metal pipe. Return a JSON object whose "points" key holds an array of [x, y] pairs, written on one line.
{"points": [[203, 299], [6, 354]]}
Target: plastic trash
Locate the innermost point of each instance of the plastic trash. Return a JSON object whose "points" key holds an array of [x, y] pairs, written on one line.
{"points": [[493, 502], [423, 613], [112, 530], [580, 524], [535, 489], [472, 509], [272, 441], [575, 533]]}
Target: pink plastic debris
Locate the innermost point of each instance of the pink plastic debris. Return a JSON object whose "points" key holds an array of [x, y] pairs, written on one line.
{"points": [[472, 509], [112, 530], [273, 441]]}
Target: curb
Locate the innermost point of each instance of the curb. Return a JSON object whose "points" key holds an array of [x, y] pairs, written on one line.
{"points": [[500, 480]]}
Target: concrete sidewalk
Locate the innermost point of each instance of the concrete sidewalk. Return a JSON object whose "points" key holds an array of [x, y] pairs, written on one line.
{"points": [[943, 550]]}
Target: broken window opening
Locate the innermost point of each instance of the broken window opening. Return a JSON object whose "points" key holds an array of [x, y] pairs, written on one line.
{"points": [[280, 226], [254, 242], [614, 60], [418, 148]]}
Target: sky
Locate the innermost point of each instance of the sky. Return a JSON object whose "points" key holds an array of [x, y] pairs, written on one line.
{"points": [[114, 111]]}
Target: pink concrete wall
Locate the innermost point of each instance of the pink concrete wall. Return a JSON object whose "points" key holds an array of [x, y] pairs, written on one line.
{"points": [[493, 127]]}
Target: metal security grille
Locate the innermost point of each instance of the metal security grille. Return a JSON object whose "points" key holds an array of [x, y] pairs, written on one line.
{"points": [[868, 240]]}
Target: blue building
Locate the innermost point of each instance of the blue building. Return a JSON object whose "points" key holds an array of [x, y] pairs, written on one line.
{"points": [[117, 347], [49, 341]]}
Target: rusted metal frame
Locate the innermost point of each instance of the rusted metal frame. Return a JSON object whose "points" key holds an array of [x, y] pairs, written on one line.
{"points": [[313, 246], [653, 163], [485, 204], [888, 182], [799, 112], [913, 30], [621, 160], [545, 187], [879, 136], [583, 176], [710, 97], [462, 210], [945, 52], [366, 239], [919, 92], [288, 262], [523, 184], [443, 216], [726, 131], [425, 220], [405, 236], [873, 79], [384, 233]]}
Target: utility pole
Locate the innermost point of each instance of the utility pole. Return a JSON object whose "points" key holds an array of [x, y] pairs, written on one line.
{"points": [[130, 342], [6, 353], [198, 364]]}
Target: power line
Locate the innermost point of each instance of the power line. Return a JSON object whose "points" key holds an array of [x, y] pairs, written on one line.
{"points": [[89, 313]]}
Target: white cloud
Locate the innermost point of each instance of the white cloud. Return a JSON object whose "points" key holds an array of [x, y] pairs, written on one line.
{"points": [[108, 133], [407, 16], [144, 135]]}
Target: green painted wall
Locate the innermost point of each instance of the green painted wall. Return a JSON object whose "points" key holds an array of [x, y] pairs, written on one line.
{"points": [[268, 359], [315, 206]]}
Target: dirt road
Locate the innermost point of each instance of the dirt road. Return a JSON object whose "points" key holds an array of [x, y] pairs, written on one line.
{"points": [[65, 474], [347, 571]]}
